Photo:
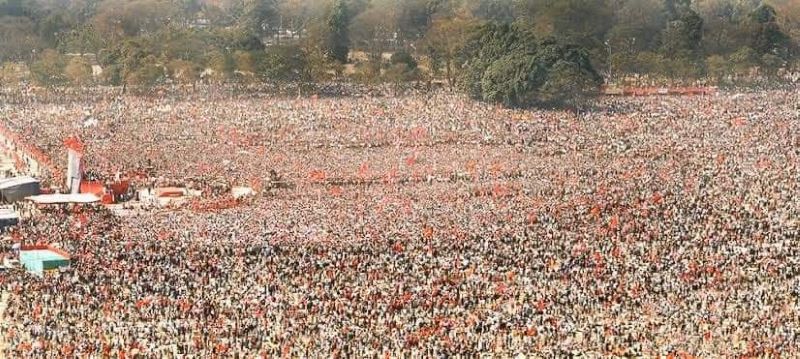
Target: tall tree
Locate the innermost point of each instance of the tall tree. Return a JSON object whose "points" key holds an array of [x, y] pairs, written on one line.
{"points": [[260, 17], [582, 22], [684, 32], [766, 36], [49, 68], [444, 41], [510, 66], [78, 71], [18, 39], [338, 39], [724, 24]]}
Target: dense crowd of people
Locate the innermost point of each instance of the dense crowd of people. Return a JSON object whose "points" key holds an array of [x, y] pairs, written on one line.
{"points": [[424, 225]]}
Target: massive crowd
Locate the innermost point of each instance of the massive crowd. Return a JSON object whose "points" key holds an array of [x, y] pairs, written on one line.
{"points": [[425, 226]]}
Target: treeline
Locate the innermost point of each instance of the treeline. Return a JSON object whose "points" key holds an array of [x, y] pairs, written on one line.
{"points": [[58, 42]]}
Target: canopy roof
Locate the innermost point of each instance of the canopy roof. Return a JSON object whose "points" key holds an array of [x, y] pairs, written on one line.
{"points": [[64, 198], [8, 213], [7, 183]]}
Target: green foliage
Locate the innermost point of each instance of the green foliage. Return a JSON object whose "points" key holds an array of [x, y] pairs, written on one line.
{"points": [[221, 65], [400, 72], [664, 38], [368, 71], [445, 41], [766, 36], [81, 39], [717, 67], [183, 71], [510, 66], [12, 74], [684, 31], [743, 60], [17, 39], [284, 63], [78, 71], [259, 16], [48, 70], [148, 74], [404, 58], [583, 22], [402, 68], [338, 41], [244, 62]]}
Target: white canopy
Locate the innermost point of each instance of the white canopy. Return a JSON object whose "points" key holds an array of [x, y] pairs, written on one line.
{"points": [[64, 198], [8, 213], [16, 181]]}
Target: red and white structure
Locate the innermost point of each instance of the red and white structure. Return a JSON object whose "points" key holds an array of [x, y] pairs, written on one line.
{"points": [[74, 164]]}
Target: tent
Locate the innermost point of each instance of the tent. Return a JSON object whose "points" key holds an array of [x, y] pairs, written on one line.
{"points": [[242, 192], [8, 218], [81, 198], [16, 189], [40, 258], [171, 192], [94, 187]]}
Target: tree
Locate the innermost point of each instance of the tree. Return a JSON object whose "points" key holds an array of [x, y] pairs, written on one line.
{"points": [[510, 66], [637, 28], [81, 40], [684, 31], [183, 71], [284, 63], [374, 29], [498, 11], [725, 24], [52, 27], [402, 68], [48, 70], [297, 15], [259, 16], [148, 74], [18, 39], [743, 60], [244, 61], [404, 58], [568, 82], [78, 71], [11, 73], [445, 40], [414, 17], [221, 64], [766, 36], [338, 41], [717, 67], [649, 62], [117, 19], [789, 20], [582, 22]]}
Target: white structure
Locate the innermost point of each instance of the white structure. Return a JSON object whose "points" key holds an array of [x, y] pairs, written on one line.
{"points": [[73, 170], [82, 198], [74, 166]]}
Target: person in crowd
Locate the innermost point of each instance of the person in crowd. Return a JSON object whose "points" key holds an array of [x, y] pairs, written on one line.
{"points": [[420, 225]]}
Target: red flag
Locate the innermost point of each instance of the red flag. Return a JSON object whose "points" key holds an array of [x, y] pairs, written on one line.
{"points": [[657, 197], [614, 224], [317, 175], [427, 232], [363, 170], [595, 211]]}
